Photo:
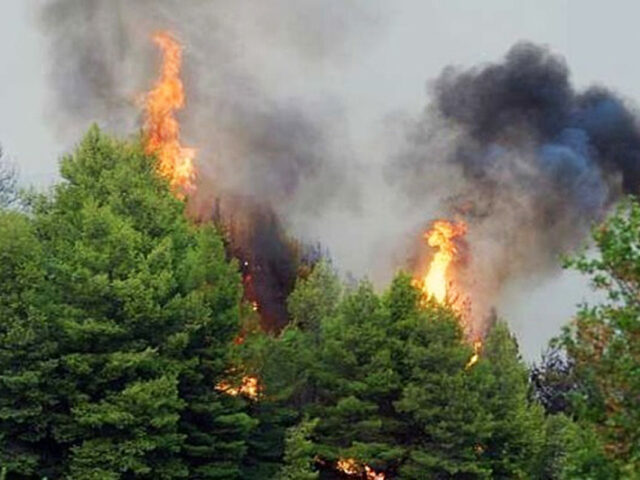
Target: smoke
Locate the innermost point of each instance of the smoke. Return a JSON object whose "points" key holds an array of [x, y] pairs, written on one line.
{"points": [[530, 162], [270, 150], [510, 147]]}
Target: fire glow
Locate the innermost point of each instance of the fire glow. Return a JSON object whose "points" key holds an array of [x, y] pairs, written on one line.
{"points": [[442, 235], [351, 467], [161, 128], [437, 283], [249, 387]]}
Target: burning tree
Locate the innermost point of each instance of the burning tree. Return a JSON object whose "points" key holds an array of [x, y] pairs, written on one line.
{"points": [[388, 380], [162, 130]]}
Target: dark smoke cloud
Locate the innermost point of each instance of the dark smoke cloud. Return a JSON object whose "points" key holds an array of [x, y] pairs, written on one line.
{"points": [[526, 159], [267, 147], [259, 136], [512, 147]]}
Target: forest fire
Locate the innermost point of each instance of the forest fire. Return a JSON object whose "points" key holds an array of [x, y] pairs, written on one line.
{"points": [[442, 234], [437, 284], [161, 128], [477, 347], [352, 468], [249, 387]]}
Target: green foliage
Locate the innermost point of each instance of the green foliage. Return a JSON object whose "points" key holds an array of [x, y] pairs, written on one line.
{"points": [[517, 423], [299, 453], [604, 340], [314, 298], [573, 451], [387, 380], [117, 320], [119, 314], [8, 183]]}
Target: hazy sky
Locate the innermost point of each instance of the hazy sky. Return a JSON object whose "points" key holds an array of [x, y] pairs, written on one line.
{"points": [[418, 38], [388, 72]]}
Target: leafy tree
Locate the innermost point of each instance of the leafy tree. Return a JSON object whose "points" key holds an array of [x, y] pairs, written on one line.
{"points": [[139, 308], [603, 341], [572, 451]]}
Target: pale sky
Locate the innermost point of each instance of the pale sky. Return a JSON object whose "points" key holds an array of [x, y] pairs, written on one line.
{"points": [[419, 37]]}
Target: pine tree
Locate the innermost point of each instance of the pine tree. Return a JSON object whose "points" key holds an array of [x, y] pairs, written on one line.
{"points": [[299, 453], [443, 416], [25, 346], [517, 433], [356, 384], [139, 308]]}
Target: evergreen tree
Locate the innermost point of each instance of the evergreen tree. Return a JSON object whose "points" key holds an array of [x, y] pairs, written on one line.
{"points": [[356, 384], [315, 298], [444, 418], [299, 453], [25, 348], [517, 432], [139, 309]]}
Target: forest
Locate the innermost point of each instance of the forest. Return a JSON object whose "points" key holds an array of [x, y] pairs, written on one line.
{"points": [[128, 351]]}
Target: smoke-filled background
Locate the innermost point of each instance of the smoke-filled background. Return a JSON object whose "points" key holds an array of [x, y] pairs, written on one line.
{"points": [[311, 117]]}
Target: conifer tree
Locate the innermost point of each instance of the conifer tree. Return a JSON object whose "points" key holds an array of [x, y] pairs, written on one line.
{"points": [[517, 422], [299, 453], [25, 348], [140, 307]]}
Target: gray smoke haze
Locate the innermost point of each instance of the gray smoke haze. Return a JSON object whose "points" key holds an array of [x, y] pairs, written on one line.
{"points": [[257, 134], [273, 154], [511, 147]]}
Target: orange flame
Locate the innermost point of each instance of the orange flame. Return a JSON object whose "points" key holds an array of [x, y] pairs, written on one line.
{"points": [[249, 387], [352, 468], [441, 236], [348, 466], [162, 131], [477, 347]]}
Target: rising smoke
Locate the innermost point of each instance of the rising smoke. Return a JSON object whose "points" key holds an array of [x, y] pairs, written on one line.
{"points": [[527, 160], [267, 151], [512, 148]]}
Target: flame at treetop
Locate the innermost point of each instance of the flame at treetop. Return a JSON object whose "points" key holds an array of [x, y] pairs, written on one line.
{"points": [[161, 129], [436, 283], [352, 468], [441, 236]]}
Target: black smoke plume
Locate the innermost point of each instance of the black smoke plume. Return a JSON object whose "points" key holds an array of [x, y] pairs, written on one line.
{"points": [[529, 161]]}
